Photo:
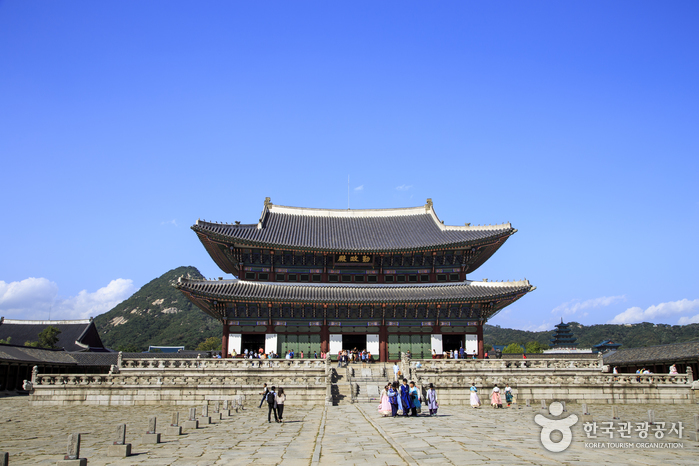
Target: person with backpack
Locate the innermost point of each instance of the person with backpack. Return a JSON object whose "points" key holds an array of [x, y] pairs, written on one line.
{"points": [[271, 404], [279, 404]]}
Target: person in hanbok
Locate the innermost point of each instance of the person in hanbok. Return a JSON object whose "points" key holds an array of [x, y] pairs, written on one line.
{"points": [[385, 405], [495, 399], [415, 399], [475, 401], [393, 398], [673, 369], [432, 400], [508, 395], [406, 406]]}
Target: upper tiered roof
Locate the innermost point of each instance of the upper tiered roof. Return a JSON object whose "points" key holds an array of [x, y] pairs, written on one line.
{"points": [[365, 230]]}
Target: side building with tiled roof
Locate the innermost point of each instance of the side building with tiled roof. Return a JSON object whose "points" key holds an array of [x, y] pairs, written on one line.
{"points": [[385, 280], [656, 359], [76, 335]]}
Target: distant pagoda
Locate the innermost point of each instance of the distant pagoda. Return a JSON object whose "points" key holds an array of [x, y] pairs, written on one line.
{"points": [[563, 337], [323, 280]]}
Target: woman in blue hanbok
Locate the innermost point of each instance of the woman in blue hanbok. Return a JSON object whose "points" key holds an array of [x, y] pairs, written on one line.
{"points": [[415, 399], [393, 398], [475, 401]]}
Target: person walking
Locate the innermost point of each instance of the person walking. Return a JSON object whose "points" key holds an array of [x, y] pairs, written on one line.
{"points": [[279, 404], [272, 405], [264, 392], [475, 401], [432, 400], [495, 399], [508, 395]]}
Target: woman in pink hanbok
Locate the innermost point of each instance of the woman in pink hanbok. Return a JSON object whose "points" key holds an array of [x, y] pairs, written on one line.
{"points": [[385, 405], [495, 399]]}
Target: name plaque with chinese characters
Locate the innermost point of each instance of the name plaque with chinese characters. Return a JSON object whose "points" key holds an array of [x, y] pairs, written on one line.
{"points": [[354, 259]]}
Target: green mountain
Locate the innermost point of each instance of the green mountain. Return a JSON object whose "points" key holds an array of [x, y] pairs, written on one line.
{"points": [[157, 314], [629, 335]]}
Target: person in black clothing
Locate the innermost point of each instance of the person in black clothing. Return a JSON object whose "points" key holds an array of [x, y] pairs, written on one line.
{"points": [[271, 399], [264, 393]]}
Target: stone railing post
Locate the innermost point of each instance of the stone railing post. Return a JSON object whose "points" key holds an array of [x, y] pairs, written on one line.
{"points": [[690, 375], [405, 365], [119, 360]]}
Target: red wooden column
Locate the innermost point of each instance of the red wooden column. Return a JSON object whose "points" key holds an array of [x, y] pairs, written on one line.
{"points": [[325, 332], [479, 334], [383, 336], [224, 340], [383, 343]]}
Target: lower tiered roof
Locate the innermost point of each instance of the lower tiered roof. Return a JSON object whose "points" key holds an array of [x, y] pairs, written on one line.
{"points": [[203, 291]]}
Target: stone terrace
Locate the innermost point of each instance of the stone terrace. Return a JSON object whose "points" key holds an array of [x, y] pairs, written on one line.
{"points": [[333, 435]]}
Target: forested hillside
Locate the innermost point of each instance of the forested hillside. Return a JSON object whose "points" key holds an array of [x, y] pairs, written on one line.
{"points": [[630, 336], [157, 314]]}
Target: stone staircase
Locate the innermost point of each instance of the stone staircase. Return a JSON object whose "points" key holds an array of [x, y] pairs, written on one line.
{"points": [[367, 381], [340, 387]]}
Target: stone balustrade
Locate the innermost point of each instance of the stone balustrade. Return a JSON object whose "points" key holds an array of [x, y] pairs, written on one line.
{"points": [[515, 379], [474, 365], [44, 380], [209, 364], [573, 380], [184, 381]]}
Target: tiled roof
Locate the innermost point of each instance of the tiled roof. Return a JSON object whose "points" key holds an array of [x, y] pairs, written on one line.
{"points": [[655, 354], [352, 293], [370, 230], [34, 355], [76, 335]]}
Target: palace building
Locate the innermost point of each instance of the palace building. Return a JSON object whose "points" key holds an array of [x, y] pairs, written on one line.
{"points": [[385, 280]]}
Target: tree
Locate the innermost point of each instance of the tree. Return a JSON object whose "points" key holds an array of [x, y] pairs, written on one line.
{"points": [[210, 344], [6, 342], [512, 348], [129, 348], [48, 337], [487, 348], [534, 347]]}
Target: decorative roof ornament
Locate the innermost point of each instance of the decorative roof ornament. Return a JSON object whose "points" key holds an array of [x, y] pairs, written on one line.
{"points": [[429, 206], [268, 202]]}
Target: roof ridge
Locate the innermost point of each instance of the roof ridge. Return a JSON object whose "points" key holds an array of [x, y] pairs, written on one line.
{"points": [[46, 322], [525, 282]]}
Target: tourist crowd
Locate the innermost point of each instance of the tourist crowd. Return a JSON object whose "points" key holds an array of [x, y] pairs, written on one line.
{"points": [[354, 356]]}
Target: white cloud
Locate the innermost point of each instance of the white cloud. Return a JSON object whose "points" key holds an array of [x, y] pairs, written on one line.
{"points": [[689, 320], [571, 307], [636, 314], [404, 187], [34, 298], [169, 222], [359, 188]]}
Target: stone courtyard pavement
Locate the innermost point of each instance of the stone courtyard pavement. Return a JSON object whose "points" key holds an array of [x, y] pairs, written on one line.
{"points": [[339, 435]]}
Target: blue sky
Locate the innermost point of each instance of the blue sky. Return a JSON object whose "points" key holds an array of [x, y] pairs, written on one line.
{"points": [[124, 122]]}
